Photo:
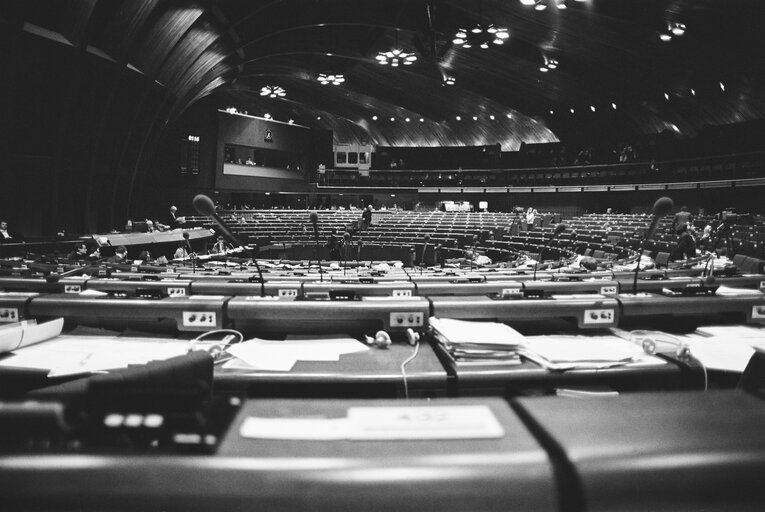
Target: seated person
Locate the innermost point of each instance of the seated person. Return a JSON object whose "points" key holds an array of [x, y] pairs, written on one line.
{"points": [[120, 255], [94, 253], [686, 244], [80, 252], [145, 256], [220, 246], [174, 219], [181, 253], [6, 235]]}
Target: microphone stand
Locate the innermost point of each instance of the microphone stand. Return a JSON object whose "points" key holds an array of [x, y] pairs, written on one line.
{"points": [[205, 206]]}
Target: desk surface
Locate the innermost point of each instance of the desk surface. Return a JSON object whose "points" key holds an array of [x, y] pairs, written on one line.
{"points": [[372, 373]]}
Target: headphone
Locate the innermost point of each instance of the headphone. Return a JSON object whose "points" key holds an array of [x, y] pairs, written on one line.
{"points": [[382, 339]]}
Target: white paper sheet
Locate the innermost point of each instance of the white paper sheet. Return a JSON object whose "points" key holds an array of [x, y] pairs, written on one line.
{"points": [[281, 355]]}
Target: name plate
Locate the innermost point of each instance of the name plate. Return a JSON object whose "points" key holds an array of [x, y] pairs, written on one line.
{"points": [[382, 424]]}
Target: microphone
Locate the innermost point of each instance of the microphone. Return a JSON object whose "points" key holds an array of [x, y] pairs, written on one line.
{"points": [[709, 271], [560, 228], [346, 243], [661, 207], [426, 239], [314, 218], [205, 206]]}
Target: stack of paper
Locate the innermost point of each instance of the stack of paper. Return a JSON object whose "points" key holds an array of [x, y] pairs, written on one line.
{"points": [[477, 342], [575, 352]]}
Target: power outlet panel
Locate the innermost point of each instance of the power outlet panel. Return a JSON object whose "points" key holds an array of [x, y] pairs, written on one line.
{"points": [[199, 319], [403, 319], [176, 292], [9, 315], [599, 316]]}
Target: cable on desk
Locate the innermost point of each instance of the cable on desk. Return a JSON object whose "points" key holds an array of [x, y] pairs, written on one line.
{"points": [[651, 340], [403, 367], [217, 350]]}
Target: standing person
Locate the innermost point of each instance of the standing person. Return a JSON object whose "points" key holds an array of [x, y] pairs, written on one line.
{"points": [[681, 218], [334, 244], [366, 217], [531, 215]]}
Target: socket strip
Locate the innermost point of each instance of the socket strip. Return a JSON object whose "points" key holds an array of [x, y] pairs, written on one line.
{"points": [[176, 292], [401, 293], [404, 319], [598, 316], [9, 315], [288, 292], [199, 319]]}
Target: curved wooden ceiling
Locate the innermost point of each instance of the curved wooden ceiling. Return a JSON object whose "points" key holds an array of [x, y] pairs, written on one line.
{"points": [[609, 54]]}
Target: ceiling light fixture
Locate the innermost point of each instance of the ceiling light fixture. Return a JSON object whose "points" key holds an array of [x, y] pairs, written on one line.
{"points": [[561, 4], [326, 79], [273, 91], [549, 65], [396, 56], [448, 80], [481, 35], [674, 29], [539, 6]]}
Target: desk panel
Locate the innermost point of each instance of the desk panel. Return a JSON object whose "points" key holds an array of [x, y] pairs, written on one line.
{"points": [[676, 452], [506, 474]]}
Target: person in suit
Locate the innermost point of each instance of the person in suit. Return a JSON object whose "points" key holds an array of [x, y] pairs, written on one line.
{"points": [[80, 252], [366, 217], [120, 255], [220, 246], [686, 244], [681, 218], [6, 235], [334, 244]]}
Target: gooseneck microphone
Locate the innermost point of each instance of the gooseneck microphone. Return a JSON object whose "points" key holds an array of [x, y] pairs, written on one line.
{"points": [[187, 245], [661, 207], [205, 206], [560, 228], [426, 239], [346, 243], [314, 218]]}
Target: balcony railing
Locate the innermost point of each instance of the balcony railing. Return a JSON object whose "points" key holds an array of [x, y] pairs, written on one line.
{"points": [[716, 171]]}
